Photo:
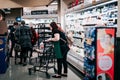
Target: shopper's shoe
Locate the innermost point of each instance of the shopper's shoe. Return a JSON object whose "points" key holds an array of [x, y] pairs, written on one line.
{"points": [[15, 62], [65, 75], [11, 56], [56, 76], [20, 63], [24, 64]]}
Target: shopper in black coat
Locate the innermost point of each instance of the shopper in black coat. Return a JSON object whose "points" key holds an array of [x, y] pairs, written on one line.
{"points": [[12, 37], [24, 36]]}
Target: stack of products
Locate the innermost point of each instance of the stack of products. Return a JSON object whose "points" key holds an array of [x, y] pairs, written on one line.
{"points": [[89, 51]]}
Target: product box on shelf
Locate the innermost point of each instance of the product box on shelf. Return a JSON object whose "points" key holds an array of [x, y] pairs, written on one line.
{"points": [[89, 52]]}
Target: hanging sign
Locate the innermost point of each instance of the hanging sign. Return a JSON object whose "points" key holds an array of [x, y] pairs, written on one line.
{"points": [[39, 12]]}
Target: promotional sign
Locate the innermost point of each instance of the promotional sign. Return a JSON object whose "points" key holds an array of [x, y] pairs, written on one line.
{"points": [[105, 53]]}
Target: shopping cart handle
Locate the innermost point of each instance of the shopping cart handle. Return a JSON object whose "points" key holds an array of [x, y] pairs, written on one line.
{"points": [[47, 42]]}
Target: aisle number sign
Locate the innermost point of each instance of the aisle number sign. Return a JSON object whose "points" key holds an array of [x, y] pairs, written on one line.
{"points": [[105, 53]]}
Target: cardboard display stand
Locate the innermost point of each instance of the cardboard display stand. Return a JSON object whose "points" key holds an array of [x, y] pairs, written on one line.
{"points": [[3, 39], [3, 63], [99, 50]]}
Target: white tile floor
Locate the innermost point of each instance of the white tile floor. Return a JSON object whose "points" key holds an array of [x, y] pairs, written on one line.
{"points": [[19, 72]]}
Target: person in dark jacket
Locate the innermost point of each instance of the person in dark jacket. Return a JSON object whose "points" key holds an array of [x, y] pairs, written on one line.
{"points": [[60, 49], [16, 25], [35, 37], [24, 36], [12, 37]]}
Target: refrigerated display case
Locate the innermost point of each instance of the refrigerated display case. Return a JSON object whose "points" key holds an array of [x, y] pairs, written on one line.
{"points": [[40, 20], [76, 21]]}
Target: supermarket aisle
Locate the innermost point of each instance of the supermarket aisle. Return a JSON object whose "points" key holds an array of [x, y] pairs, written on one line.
{"points": [[19, 72]]}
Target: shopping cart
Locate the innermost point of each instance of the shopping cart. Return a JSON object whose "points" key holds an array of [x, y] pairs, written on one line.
{"points": [[45, 60]]}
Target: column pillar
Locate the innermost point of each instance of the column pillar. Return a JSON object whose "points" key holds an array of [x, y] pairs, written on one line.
{"points": [[117, 48], [118, 21], [61, 13]]}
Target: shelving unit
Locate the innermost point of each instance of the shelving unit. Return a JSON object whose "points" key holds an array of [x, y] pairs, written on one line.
{"points": [[44, 18]]}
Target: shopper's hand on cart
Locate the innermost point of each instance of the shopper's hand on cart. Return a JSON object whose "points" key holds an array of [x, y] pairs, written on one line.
{"points": [[41, 45], [48, 40]]}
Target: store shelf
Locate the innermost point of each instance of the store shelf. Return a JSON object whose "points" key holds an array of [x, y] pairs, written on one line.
{"points": [[80, 8], [77, 37], [78, 47], [40, 16], [113, 10], [89, 25]]}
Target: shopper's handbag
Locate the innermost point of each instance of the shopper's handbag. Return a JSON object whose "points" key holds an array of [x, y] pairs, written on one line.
{"points": [[64, 48], [66, 39], [69, 41], [66, 45], [17, 47]]}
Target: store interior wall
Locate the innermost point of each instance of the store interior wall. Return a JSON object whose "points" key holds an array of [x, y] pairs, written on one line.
{"points": [[15, 4], [62, 6], [59, 11], [118, 28], [10, 17], [29, 9], [23, 3], [117, 55], [117, 59], [8, 4]]}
